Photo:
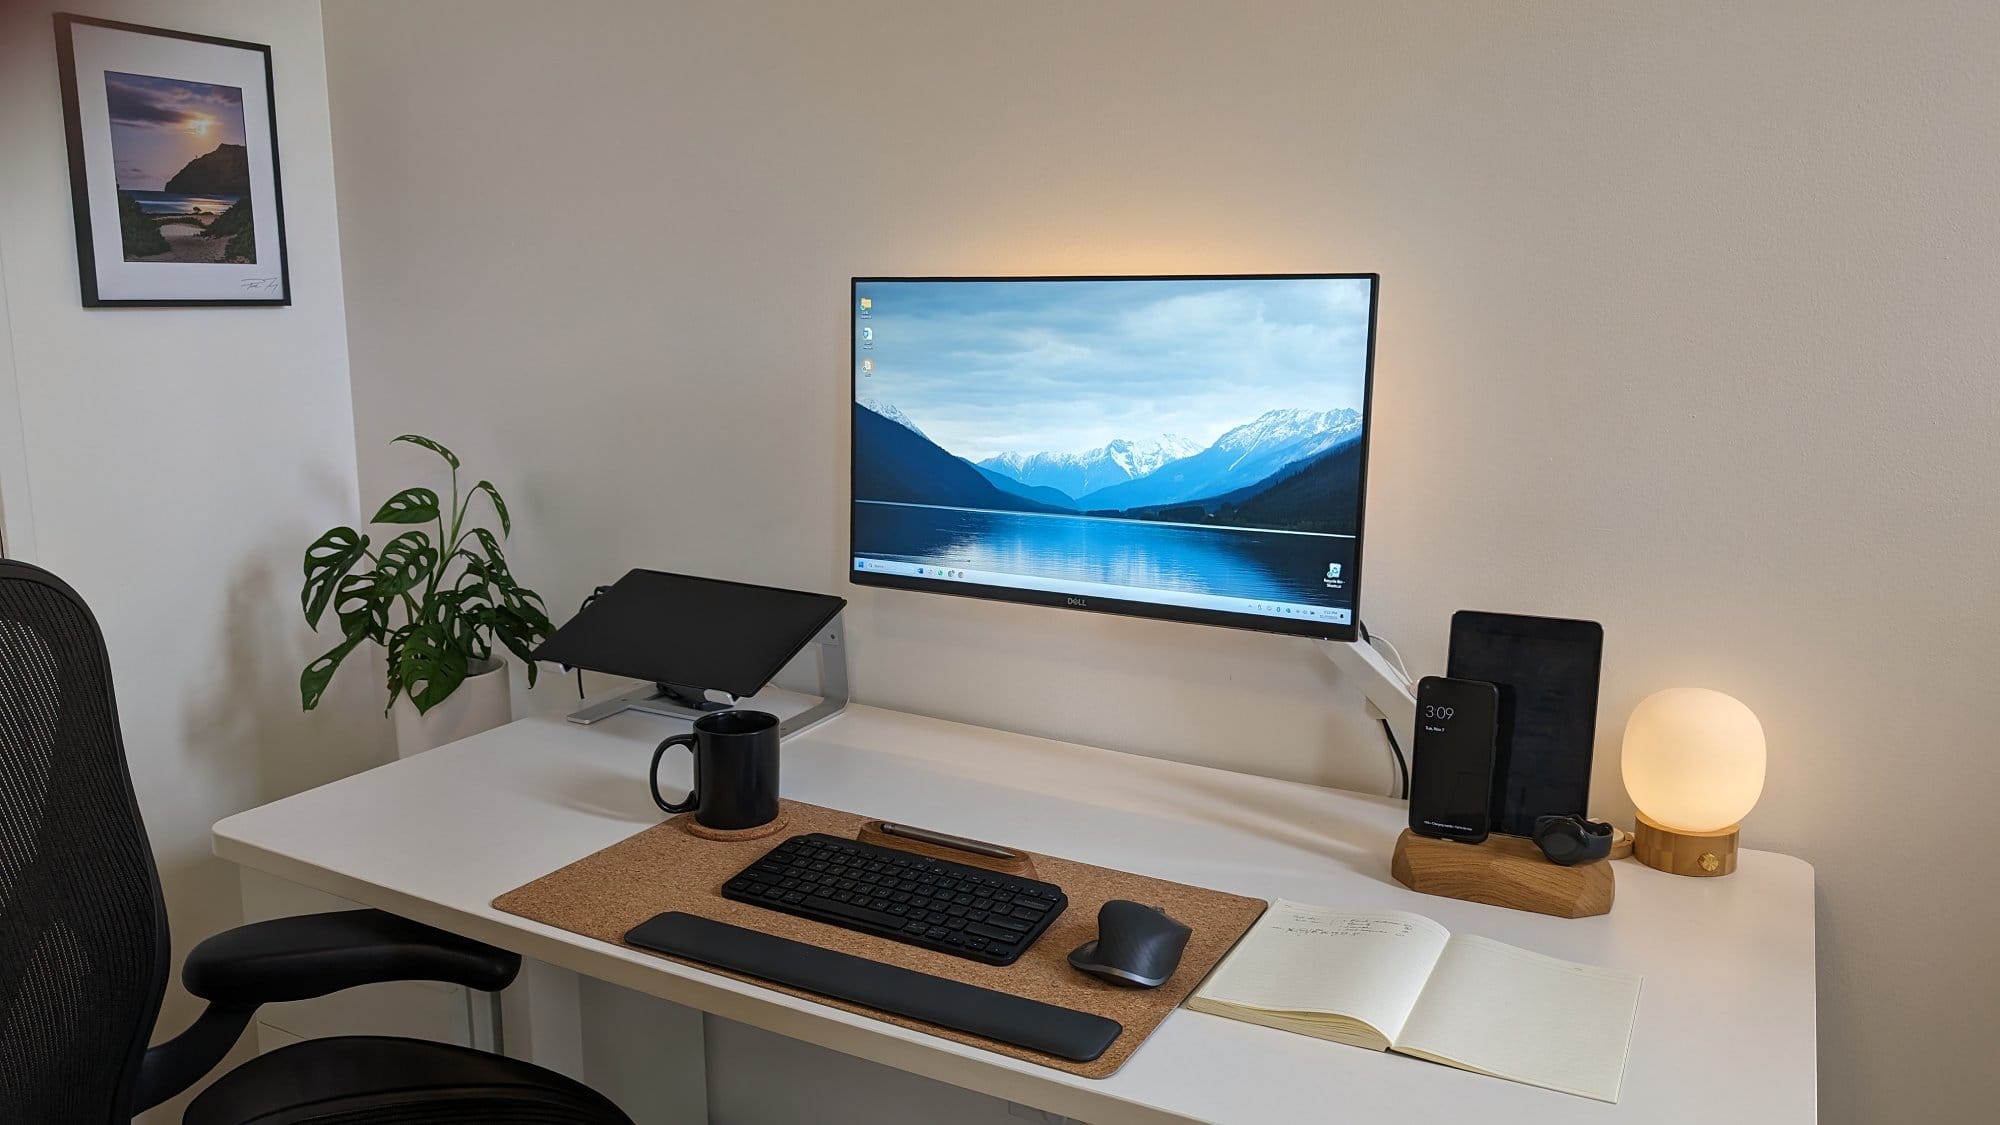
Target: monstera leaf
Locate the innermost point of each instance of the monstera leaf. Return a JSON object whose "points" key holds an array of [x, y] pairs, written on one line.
{"points": [[499, 505], [362, 607], [489, 557], [405, 563], [328, 560], [393, 646], [412, 505], [313, 681], [459, 612], [418, 439], [428, 666]]}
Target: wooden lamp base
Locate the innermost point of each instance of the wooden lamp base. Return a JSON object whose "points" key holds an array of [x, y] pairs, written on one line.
{"points": [[1504, 871], [1701, 854]]}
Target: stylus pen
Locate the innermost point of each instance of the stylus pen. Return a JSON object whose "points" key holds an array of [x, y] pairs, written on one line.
{"points": [[946, 840]]}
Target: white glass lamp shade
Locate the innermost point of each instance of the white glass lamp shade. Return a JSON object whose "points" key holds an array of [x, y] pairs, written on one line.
{"points": [[1693, 759]]}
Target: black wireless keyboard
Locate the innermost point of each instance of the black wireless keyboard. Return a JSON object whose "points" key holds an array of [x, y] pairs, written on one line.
{"points": [[1062, 1032], [950, 907]]}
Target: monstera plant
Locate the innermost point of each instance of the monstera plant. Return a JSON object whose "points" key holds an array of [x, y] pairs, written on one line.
{"points": [[438, 606]]}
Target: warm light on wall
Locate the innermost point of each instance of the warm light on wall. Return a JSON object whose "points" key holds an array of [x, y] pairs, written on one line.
{"points": [[1694, 765]]}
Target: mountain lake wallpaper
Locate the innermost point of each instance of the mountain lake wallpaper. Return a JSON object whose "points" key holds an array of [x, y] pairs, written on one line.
{"points": [[1189, 434]]}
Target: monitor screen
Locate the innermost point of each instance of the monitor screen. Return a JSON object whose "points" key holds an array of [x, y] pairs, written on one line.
{"points": [[1192, 448]]}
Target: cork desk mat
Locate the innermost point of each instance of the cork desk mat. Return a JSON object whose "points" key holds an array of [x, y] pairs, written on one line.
{"points": [[665, 868]]}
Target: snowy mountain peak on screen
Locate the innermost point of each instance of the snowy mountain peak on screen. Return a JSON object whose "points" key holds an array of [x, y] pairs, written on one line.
{"points": [[1286, 427], [894, 415], [1114, 462], [1243, 456], [1138, 458]]}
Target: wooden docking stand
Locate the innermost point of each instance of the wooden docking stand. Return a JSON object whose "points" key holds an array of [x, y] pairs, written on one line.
{"points": [[1504, 871]]}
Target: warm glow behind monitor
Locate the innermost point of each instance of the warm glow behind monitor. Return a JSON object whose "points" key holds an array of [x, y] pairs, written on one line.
{"points": [[1188, 448]]}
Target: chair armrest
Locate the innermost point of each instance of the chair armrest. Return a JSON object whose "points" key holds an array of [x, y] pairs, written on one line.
{"points": [[315, 954]]}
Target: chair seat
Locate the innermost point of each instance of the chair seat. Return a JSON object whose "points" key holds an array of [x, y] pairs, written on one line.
{"points": [[376, 1080]]}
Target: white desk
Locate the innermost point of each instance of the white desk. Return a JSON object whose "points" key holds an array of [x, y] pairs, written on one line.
{"points": [[1726, 1021]]}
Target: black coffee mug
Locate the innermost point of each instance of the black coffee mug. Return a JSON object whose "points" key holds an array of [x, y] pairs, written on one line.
{"points": [[735, 770]]}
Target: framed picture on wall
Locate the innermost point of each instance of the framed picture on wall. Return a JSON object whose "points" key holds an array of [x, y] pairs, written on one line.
{"points": [[173, 167]]}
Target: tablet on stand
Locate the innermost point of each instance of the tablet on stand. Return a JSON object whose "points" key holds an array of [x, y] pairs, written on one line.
{"points": [[687, 636]]}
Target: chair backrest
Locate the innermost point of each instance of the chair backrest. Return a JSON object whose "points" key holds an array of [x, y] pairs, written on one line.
{"points": [[83, 933]]}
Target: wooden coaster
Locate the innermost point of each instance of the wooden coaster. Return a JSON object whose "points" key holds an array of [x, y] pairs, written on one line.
{"points": [[769, 828], [663, 868]]}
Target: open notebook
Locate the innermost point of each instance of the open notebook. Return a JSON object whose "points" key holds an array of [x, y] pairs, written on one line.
{"points": [[1392, 981]]}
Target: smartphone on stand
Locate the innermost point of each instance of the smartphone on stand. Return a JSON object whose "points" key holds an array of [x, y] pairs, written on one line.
{"points": [[1451, 759]]}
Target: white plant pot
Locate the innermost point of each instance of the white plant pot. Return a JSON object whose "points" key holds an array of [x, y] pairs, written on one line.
{"points": [[481, 702]]}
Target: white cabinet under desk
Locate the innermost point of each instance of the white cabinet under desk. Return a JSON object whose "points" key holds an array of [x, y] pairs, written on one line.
{"points": [[1726, 1024]]}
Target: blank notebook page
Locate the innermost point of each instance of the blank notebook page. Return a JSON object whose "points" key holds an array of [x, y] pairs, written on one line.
{"points": [[1369, 965], [1519, 1015]]}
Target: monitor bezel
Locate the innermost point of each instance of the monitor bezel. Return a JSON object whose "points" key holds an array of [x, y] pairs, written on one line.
{"points": [[1120, 606]]}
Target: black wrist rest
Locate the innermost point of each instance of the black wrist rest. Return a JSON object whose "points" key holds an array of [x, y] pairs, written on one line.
{"points": [[1016, 1020]]}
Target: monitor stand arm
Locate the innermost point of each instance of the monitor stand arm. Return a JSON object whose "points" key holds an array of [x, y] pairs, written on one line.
{"points": [[684, 701], [1388, 697]]}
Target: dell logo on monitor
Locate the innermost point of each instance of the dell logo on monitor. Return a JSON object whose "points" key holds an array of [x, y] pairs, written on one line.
{"points": [[1076, 601]]}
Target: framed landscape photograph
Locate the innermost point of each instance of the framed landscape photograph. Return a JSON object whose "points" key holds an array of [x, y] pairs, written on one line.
{"points": [[173, 167]]}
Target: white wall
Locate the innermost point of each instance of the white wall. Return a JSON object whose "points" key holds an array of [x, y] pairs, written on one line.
{"points": [[173, 464], [1687, 326]]}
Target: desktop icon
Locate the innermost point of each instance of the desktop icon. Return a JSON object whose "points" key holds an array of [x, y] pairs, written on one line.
{"points": [[866, 306], [1333, 570], [867, 336], [867, 367]]}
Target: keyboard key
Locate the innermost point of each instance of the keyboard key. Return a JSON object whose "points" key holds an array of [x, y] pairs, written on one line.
{"points": [[1014, 924], [981, 929], [936, 932], [861, 914], [1024, 900]]}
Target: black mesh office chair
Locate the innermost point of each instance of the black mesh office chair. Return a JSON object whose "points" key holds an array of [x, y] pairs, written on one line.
{"points": [[83, 941]]}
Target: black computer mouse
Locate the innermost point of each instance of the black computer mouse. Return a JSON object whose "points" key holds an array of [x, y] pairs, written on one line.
{"points": [[1136, 945]]}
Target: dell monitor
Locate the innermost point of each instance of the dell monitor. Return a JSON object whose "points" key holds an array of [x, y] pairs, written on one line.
{"points": [[1188, 448]]}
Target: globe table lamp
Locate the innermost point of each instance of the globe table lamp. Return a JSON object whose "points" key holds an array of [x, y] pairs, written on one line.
{"points": [[1694, 765]]}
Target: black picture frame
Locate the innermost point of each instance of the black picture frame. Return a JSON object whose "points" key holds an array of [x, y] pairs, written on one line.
{"points": [[267, 282]]}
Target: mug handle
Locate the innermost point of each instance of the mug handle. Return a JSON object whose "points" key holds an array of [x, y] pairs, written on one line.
{"points": [[688, 802]]}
